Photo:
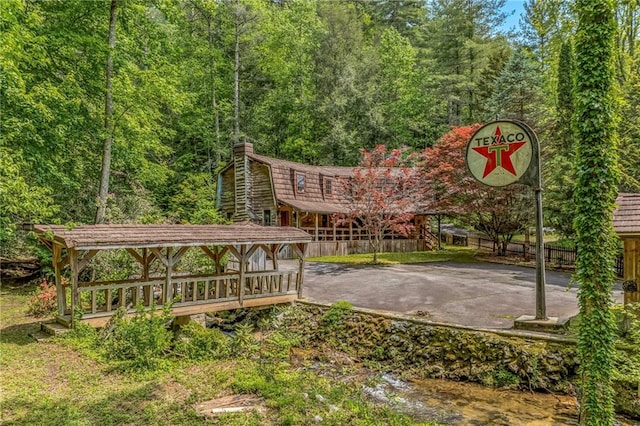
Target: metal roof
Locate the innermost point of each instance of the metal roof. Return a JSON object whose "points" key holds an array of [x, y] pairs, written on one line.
{"points": [[626, 217], [88, 237]]}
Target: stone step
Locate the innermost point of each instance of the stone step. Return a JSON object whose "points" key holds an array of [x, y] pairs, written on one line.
{"points": [[53, 328], [40, 336]]}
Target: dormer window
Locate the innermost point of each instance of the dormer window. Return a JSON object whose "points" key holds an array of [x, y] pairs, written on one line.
{"points": [[300, 183], [328, 186]]}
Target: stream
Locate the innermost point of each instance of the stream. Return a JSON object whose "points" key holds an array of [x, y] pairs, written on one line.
{"points": [[457, 403]]}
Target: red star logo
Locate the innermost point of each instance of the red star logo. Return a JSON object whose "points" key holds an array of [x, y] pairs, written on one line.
{"points": [[498, 155]]}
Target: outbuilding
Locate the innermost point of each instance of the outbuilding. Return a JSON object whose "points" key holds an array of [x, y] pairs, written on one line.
{"points": [[626, 222]]}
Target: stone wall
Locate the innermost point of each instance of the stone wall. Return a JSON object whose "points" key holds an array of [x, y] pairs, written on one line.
{"points": [[420, 348]]}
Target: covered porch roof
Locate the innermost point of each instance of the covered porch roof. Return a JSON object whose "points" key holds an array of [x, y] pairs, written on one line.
{"points": [[101, 237]]}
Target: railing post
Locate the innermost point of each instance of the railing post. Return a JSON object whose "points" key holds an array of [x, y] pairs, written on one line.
{"points": [[75, 296]]}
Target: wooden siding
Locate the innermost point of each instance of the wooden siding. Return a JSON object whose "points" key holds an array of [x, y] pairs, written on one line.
{"points": [[262, 193], [632, 259]]}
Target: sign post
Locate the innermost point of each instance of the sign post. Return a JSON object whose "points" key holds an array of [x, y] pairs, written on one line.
{"points": [[504, 152]]}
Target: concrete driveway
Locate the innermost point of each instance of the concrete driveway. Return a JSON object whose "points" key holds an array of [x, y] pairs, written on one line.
{"points": [[485, 295]]}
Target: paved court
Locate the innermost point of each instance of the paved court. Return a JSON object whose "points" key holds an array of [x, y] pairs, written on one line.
{"points": [[475, 294]]}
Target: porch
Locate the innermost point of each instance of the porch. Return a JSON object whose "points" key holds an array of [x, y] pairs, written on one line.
{"points": [[235, 281]]}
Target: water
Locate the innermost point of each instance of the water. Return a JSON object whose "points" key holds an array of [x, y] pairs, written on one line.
{"points": [[457, 403]]}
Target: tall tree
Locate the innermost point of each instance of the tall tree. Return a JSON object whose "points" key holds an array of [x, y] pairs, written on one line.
{"points": [[105, 174], [463, 35], [517, 90], [559, 152], [595, 194]]}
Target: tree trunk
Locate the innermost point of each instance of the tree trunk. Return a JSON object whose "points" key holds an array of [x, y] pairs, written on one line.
{"points": [[214, 104], [236, 77], [108, 118]]}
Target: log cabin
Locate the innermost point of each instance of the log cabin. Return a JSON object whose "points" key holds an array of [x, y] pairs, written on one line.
{"points": [[273, 192], [626, 222]]}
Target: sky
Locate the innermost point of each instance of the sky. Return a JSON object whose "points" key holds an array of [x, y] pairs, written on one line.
{"points": [[515, 6]]}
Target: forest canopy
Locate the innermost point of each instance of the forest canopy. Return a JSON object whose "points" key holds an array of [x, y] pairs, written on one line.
{"points": [[308, 81]]}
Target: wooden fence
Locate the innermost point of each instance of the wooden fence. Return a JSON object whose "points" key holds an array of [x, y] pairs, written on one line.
{"points": [[553, 255]]}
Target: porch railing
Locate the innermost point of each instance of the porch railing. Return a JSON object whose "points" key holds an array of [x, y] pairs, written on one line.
{"points": [[103, 298]]}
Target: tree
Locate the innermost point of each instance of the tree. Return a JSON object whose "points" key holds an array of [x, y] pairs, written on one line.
{"points": [[380, 196], [559, 153], [105, 175], [500, 213], [595, 194], [463, 36], [517, 90]]}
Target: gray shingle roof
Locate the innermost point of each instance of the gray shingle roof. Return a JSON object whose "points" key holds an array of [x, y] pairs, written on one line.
{"points": [[626, 217], [87, 237]]}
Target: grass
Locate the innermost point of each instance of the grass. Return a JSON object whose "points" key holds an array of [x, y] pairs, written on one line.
{"points": [[452, 254], [63, 382]]}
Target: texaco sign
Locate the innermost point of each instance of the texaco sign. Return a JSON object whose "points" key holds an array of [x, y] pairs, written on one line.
{"points": [[500, 153]]}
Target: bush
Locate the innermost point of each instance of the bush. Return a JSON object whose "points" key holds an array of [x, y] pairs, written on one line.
{"points": [[44, 301], [336, 313], [199, 343], [138, 342], [243, 343]]}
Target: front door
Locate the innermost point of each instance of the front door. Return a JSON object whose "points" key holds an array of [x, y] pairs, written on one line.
{"points": [[284, 218]]}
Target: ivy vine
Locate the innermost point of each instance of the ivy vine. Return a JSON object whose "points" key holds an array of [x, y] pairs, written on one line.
{"points": [[595, 192]]}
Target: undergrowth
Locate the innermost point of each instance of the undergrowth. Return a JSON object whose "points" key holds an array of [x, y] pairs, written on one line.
{"points": [[143, 345]]}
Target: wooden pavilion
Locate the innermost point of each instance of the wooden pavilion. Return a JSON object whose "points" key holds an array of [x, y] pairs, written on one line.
{"points": [[224, 245]]}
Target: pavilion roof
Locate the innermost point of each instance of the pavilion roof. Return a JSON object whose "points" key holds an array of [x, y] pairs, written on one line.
{"points": [[92, 237], [626, 217]]}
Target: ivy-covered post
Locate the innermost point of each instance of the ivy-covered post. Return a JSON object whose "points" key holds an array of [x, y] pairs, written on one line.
{"points": [[595, 194]]}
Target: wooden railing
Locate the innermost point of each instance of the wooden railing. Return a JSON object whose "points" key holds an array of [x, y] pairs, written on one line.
{"points": [[103, 298], [345, 234]]}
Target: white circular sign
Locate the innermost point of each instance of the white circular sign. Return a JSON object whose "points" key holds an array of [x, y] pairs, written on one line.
{"points": [[499, 153]]}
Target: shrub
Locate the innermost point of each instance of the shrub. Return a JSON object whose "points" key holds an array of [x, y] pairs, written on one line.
{"points": [[336, 313], [199, 343], [243, 343], [44, 301], [138, 342]]}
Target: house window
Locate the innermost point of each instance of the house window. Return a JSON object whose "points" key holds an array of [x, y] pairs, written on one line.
{"points": [[300, 182], [328, 186], [266, 217]]}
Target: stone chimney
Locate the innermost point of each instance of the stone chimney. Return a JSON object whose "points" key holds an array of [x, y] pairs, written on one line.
{"points": [[242, 180]]}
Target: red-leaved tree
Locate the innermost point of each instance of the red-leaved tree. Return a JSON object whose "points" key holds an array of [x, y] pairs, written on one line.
{"points": [[451, 190], [380, 196]]}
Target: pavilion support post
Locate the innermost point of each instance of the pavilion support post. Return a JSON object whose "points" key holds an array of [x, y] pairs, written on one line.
{"points": [[274, 255], [76, 303], [350, 230], [241, 272], [168, 285], [334, 230], [60, 293], [301, 264], [317, 236], [301, 250], [146, 290]]}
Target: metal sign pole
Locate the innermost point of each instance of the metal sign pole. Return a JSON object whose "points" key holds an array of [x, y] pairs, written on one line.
{"points": [[541, 304]]}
